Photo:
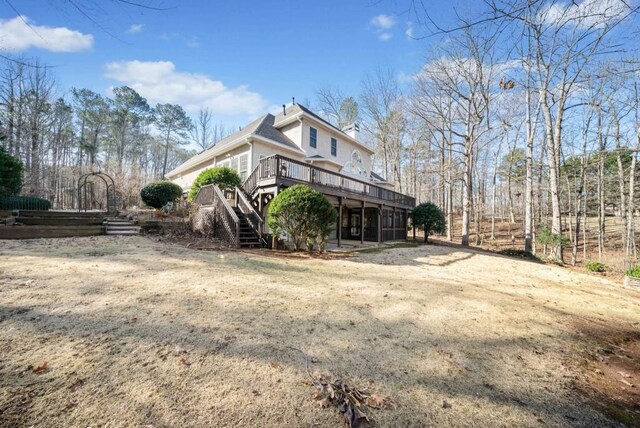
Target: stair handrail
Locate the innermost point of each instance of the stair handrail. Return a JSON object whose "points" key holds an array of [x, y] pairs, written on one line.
{"points": [[228, 217], [251, 182], [253, 217]]}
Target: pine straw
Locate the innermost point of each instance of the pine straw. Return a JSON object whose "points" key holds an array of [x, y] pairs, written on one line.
{"points": [[142, 333]]}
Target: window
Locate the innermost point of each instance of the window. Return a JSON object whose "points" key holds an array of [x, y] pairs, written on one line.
{"points": [[313, 137], [244, 164], [234, 163], [334, 147]]}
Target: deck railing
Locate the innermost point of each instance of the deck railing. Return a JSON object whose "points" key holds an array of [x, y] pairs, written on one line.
{"points": [[277, 166]]}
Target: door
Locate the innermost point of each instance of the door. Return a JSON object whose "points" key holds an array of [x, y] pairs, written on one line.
{"points": [[356, 224]]}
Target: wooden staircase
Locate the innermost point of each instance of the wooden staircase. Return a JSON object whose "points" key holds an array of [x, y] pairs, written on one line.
{"points": [[120, 226], [248, 238]]}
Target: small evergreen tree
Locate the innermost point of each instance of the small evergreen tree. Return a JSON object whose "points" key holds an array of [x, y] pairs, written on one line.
{"points": [[429, 218], [302, 213], [160, 193], [11, 170], [222, 176]]}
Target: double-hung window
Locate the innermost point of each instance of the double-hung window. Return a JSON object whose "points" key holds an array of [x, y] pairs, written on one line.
{"points": [[244, 165], [334, 147], [313, 137]]}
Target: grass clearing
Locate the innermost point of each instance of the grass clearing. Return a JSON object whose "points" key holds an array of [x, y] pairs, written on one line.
{"points": [[136, 333]]}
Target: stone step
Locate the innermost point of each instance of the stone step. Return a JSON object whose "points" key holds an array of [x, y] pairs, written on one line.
{"points": [[121, 226], [122, 232]]}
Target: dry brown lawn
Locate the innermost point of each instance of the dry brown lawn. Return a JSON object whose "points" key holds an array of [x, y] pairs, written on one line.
{"points": [[138, 333]]}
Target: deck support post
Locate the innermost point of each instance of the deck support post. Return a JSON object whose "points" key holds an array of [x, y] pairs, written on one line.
{"points": [[361, 222], [393, 223], [339, 221], [406, 223], [380, 223]]}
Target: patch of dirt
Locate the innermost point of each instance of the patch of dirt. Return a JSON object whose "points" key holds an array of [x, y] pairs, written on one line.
{"points": [[610, 375]]}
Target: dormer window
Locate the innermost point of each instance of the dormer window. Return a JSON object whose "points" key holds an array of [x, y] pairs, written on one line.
{"points": [[313, 137], [334, 147]]}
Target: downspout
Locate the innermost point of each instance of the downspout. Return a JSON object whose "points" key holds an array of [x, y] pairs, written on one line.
{"points": [[301, 134]]}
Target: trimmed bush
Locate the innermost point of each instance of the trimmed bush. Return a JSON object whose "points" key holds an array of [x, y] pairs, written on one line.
{"points": [[24, 203], [224, 177], [429, 218], [11, 170], [303, 214], [595, 267], [160, 193]]}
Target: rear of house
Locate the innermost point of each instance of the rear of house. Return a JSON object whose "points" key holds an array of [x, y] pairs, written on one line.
{"points": [[299, 147]]}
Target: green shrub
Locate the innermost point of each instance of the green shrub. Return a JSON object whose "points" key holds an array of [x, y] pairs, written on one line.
{"points": [[24, 203], [303, 214], [552, 239], [158, 194], [429, 218], [595, 267], [11, 170], [222, 176], [633, 272]]}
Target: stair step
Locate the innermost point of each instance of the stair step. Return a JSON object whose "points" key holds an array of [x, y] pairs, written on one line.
{"points": [[122, 227], [121, 232]]}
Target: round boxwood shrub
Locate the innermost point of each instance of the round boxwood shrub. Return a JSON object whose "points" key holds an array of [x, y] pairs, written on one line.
{"points": [[24, 203], [158, 194], [428, 217], [11, 170], [224, 177], [302, 213]]}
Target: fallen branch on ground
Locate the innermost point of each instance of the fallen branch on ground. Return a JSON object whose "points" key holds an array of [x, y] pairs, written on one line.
{"points": [[350, 401]]}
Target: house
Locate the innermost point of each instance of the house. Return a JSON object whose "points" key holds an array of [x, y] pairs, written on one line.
{"points": [[297, 146]]}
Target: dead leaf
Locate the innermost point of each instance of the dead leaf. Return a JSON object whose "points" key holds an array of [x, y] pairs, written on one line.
{"points": [[629, 384], [41, 368], [275, 365], [184, 361], [378, 401], [324, 403]]}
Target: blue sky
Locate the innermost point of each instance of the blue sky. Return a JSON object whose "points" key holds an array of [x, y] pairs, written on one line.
{"points": [[239, 57]]}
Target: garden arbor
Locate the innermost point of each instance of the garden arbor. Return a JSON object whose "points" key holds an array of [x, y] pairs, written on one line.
{"points": [[86, 191]]}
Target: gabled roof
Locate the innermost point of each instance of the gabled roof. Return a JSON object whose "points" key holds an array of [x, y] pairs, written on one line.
{"points": [[261, 127], [377, 177], [295, 110]]}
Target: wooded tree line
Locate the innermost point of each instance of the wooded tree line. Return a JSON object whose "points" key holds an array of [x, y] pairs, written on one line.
{"points": [[60, 136], [528, 112]]}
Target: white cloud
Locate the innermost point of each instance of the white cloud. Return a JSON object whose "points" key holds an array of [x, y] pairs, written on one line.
{"points": [[19, 34], [384, 22], [409, 31], [382, 25], [587, 13], [193, 43], [160, 82], [135, 28]]}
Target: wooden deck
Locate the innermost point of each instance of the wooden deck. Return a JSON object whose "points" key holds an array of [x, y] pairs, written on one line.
{"points": [[277, 170]]}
